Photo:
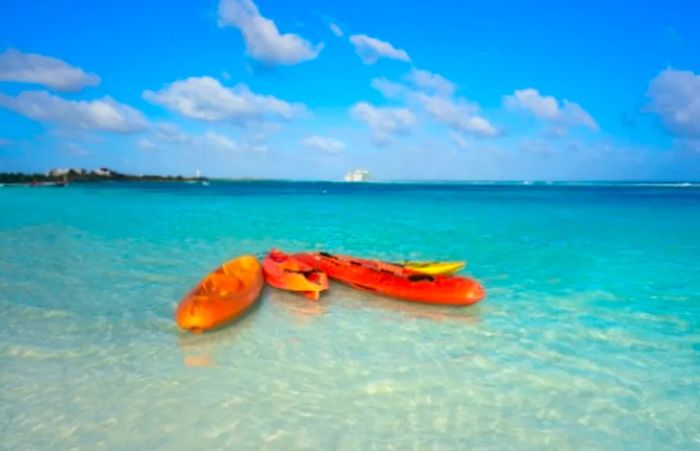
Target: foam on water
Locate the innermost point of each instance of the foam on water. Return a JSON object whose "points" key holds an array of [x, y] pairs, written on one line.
{"points": [[589, 337]]}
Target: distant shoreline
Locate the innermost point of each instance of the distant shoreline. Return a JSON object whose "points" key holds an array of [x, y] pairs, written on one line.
{"points": [[18, 178], [24, 179]]}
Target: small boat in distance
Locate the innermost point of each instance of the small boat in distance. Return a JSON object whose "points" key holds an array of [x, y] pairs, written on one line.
{"points": [[61, 184], [202, 180]]}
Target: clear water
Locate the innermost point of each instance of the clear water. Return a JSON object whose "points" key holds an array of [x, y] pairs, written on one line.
{"points": [[589, 337]]}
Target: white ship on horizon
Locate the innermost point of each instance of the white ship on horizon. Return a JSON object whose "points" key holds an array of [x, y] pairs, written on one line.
{"points": [[357, 175]]}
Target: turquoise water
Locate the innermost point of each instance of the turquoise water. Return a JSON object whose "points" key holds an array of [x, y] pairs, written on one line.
{"points": [[589, 337]]}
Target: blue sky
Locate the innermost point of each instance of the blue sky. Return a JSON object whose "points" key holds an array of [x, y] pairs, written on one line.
{"points": [[312, 89]]}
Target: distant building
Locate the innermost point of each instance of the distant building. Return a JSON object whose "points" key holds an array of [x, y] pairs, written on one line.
{"points": [[102, 172], [58, 172], [357, 175]]}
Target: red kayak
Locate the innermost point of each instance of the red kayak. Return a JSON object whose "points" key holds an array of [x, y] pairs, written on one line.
{"points": [[286, 272], [394, 280]]}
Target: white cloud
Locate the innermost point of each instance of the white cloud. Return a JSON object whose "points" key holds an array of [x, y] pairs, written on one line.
{"points": [[76, 149], [263, 40], [336, 30], [543, 107], [146, 144], [371, 49], [260, 132], [166, 136], [574, 114], [434, 94], [458, 139], [550, 109], [171, 134], [16, 66], [479, 125], [104, 114], [204, 98], [219, 141], [456, 113], [385, 122], [322, 143], [675, 97], [431, 82], [390, 89]]}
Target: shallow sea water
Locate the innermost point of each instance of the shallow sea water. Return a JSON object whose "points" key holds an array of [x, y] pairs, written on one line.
{"points": [[589, 337]]}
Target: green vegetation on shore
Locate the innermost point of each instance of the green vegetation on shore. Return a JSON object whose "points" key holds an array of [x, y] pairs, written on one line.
{"points": [[81, 176]]}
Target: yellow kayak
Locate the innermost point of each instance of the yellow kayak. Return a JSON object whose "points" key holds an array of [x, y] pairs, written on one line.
{"points": [[434, 268]]}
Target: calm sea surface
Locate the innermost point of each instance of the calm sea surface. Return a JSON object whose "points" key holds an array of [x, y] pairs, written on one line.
{"points": [[589, 337]]}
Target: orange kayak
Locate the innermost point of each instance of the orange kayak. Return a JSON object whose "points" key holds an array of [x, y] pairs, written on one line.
{"points": [[224, 294], [286, 272], [395, 280]]}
